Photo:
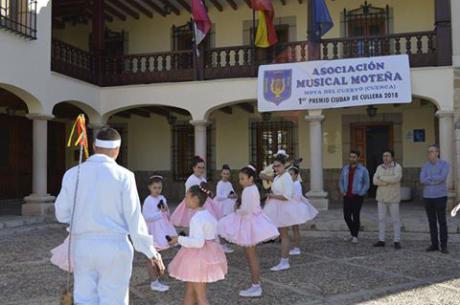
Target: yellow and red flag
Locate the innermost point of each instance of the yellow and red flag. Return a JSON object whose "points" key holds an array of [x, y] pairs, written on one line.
{"points": [[265, 33], [82, 135]]}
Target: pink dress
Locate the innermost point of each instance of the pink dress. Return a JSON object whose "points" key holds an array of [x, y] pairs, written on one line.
{"points": [[223, 190], [59, 256], [290, 212], [182, 214], [201, 258], [158, 222], [247, 226], [311, 211]]}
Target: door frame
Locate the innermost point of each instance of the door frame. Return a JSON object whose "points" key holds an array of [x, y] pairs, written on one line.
{"points": [[354, 126]]}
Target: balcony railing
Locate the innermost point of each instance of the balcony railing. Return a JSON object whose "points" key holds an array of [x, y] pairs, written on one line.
{"points": [[19, 16], [237, 61]]}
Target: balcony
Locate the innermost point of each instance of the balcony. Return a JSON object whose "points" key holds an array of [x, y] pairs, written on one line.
{"points": [[423, 49], [19, 17]]}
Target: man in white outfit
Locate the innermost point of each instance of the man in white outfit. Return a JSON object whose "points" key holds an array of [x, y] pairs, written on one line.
{"points": [[107, 210]]}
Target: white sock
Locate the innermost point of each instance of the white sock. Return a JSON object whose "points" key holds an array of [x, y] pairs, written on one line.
{"points": [[256, 285], [285, 260], [156, 282]]}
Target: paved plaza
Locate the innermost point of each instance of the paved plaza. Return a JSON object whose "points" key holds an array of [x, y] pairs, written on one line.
{"points": [[330, 270]]}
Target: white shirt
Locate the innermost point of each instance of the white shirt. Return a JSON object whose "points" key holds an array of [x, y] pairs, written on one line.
{"points": [[223, 190], [150, 209], [107, 202], [193, 180], [283, 185], [250, 201], [297, 190], [203, 227]]}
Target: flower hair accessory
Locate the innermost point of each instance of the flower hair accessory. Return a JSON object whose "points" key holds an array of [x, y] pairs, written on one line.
{"points": [[207, 192]]}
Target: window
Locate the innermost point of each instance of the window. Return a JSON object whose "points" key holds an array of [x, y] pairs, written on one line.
{"points": [[183, 38], [19, 16], [183, 150], [269, 137]]}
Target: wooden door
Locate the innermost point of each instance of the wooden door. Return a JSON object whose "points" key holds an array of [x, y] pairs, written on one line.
{"points": [[15, 157], [358, 141]]}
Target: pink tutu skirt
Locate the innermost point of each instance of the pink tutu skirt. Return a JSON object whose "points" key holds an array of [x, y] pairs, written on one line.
{"points": [[159, 229], [247, 230], [226, 206], [288, 213], [182, 215], [199, 265], [59, 256]]}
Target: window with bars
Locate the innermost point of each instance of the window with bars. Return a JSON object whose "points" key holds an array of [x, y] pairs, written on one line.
{"points": [[183, 150], [268, 137], [19, 16]]}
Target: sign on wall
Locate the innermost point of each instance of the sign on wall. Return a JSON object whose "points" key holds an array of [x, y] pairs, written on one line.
{"points": [[334, 83]]}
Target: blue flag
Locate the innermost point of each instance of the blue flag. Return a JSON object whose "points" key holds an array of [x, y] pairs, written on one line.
{"points": [[322, 21]]}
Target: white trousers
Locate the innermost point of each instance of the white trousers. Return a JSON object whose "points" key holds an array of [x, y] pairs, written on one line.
{"points": [[102, 271], [395, 220]]}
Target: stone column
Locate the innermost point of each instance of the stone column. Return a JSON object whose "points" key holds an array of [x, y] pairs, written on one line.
{"points": [[39, 202], [200, 137], [457, 158], [316, 195], [446, 145]]}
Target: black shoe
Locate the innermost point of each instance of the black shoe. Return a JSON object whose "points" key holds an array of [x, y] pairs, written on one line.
{"points": [[379, 244], [432, 248], [444, 251], [397, 245]]}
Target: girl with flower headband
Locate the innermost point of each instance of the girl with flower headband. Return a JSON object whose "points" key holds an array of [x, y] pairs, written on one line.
{"points": [[156, 214], [248, 226], [200, 260], [182, 214]]}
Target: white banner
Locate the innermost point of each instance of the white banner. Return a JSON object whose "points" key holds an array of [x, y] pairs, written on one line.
{"points": [[334, 83]]}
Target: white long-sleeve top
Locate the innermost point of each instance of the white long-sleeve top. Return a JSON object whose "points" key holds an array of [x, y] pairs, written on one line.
{"points": [[297, 190], [107, 202], [223, 190], [250, 201], [203, 227], [283, 185], [150, 209], [193, 180]]}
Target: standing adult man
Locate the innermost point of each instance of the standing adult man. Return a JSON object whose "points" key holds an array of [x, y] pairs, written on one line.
{"points": [[387, 178], [354, 184], [107, 210], [433, 177]]}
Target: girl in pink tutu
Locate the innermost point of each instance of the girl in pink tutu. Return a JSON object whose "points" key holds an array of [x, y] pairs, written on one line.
{"points": [[248, 226], [182, 215], [294, 171], [59, 256], [156, 214], [282, 208], [201, 259]]}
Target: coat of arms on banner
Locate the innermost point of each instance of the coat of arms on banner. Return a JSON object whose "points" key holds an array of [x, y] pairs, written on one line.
{"points": [[277, 85]]}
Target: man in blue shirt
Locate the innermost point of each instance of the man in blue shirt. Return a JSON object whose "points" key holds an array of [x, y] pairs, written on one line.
{"points": [[433, 178], [354, 184]]}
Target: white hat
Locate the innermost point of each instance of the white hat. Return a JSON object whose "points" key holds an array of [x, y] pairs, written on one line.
{"points": [[281, 152]]}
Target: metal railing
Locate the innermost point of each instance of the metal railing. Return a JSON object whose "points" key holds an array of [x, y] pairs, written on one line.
{"points": [[20, 17]]}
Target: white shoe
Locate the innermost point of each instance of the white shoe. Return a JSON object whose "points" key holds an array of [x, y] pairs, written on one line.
{"points": [[227, 249], [255, 291], [281, 266], [294, 251], [157, 286], [348, 238], [354, 240]]}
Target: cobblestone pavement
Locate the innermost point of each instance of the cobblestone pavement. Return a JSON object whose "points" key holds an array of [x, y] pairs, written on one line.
{"points": [[330, 271]]}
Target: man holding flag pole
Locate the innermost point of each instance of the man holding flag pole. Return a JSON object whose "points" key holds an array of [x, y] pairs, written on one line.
{"points": [[99, 200]]}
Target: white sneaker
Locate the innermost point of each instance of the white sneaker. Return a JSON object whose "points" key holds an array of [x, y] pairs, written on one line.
{"points": [[294, 251], [354, 240], [227, 249], [255, 291], [348, 238], [281, 266], [157, 286]]}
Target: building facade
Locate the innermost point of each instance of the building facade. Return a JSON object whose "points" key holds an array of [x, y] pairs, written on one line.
{"points": [[130, 65]]}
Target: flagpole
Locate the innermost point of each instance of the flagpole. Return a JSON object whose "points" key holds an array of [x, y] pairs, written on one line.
{"points": [[195, 50]]}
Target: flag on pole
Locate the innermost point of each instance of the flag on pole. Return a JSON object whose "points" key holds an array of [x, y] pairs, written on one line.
{"points": [[201, 22], [322, 21], [82, 135], [265, 33]]}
